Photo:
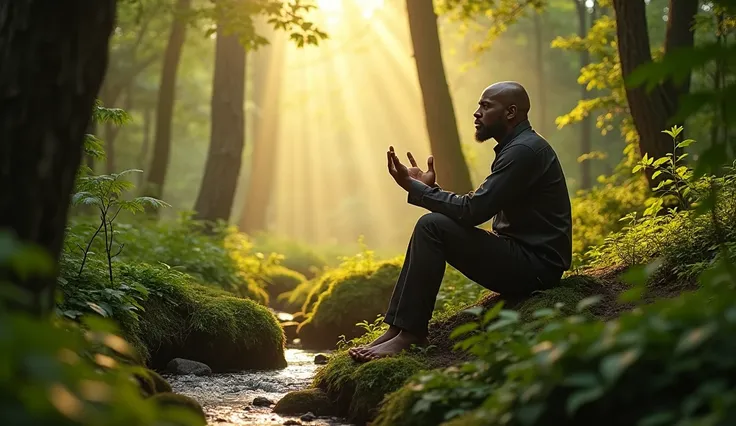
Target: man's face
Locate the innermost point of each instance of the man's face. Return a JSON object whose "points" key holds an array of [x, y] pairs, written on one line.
{"points": [[490, 119]]}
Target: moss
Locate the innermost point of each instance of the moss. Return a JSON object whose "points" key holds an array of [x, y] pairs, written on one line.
{"points": [[359, 388], [315, 401], [351, 298], [279, 280], [169, 399], [187, 320]]}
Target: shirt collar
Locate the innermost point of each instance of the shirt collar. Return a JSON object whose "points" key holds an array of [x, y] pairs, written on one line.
{"points": [[516, 131]]}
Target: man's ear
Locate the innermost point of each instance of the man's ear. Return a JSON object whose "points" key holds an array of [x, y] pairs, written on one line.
{"points": [[511, 112]]}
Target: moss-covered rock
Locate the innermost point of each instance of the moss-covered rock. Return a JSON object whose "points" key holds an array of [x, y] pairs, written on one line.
{"points": [[350, 298], [186, 320], [150, 382], [170, 399], [359, 388], [279, 280], [313, 401]]}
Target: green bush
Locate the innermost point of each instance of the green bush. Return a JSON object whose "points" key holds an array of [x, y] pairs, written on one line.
{"points": [[296, 256], [278, 280]]}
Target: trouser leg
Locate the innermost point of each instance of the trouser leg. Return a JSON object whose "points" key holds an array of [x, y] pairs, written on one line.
{"points": [[482, 256]]}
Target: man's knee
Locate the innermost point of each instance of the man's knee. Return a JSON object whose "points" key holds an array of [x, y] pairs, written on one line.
{"points": [[433, 222]]}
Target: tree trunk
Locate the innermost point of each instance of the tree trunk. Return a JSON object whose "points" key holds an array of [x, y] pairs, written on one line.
{"points": [[586, 177], [452, 171], [146, 144], [652, 111], [267, 75], [216, 194], [53, 57], [539, 46], [165, 107]]}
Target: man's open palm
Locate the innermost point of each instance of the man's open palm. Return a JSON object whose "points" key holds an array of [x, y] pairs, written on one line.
{"points": [[428, 177]]}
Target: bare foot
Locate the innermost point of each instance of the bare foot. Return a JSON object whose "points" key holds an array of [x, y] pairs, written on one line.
{"points": [[385, 337], [392, 347]]}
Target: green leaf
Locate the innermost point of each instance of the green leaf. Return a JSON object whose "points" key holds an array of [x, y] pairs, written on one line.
{"points": [[582, 380], [529, 414], [658, 418], [693, 338], [612, 366], [492, 313], [580, 398], [463, 329], [588, 302], [656, 174], [475, 310], [543, 313], [660, 161], [685, 143]]}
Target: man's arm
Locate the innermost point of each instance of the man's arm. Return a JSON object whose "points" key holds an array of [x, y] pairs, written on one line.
{"points": [[515, 171]]}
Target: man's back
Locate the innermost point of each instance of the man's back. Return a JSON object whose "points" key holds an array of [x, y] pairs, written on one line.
{"points": [[539, 218]]}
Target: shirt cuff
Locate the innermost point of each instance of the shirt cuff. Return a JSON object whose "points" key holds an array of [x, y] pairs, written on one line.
{"points": [[416, 192]]}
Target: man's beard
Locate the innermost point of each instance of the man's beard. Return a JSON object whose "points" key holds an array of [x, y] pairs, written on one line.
{"points": [[483, 133]]}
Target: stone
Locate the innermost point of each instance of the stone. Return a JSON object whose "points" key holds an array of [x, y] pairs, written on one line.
{"points": [[291, 422], [183, 366], [308, 417], [260, 401], [321, 359]]}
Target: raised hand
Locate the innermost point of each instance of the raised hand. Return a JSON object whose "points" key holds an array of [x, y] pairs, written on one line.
{"points": [[398, 171], [428, 177]]}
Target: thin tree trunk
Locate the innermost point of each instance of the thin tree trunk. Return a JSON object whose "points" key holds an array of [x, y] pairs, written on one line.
{"points": [[652, 111], [541, 74], [166, 99], [586, 177], [452, 171], [269, 62], [217, 191], [53, 57], [143, 154]]}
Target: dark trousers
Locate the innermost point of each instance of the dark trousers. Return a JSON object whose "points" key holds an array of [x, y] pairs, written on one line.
{"points": [[494, 262]]}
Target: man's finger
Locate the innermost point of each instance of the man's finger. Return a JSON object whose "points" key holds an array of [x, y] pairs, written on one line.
{"points": [[411, 159], [430, 163], [391, 167]]}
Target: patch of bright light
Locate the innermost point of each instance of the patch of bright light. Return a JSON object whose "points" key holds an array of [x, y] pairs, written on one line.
{"points": [[369, 7]]}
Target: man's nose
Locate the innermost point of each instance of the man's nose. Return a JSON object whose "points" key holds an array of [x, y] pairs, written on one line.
{"points": [[476, 114]]}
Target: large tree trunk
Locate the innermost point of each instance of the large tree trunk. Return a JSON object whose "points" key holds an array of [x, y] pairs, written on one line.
{"points": [[452, 171], [539, 46], [165, 107], [53, 57], [586, 177], [267, 75], [652, 111], [216, 194]]}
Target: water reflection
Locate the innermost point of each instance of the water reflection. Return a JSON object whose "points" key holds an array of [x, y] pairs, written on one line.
{"points": [[227, 398]]}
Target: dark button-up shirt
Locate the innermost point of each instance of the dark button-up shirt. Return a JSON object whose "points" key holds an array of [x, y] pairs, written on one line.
{"points": [[525, 194]]}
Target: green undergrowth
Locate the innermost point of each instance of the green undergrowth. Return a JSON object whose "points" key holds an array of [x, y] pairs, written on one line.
{"points": [[172, 316], [358, 389], [279, 280]]}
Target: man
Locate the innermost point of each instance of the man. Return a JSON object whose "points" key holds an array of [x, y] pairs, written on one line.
{"points": [[526, 194]]}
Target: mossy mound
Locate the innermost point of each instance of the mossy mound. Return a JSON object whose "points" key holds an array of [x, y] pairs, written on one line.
{"points": [[314, 401], [169, 399], [359, 388], [186, 320], [351, 297], [279, 280]]}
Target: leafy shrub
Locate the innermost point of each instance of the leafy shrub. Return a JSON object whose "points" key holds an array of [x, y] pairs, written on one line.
{"points": [[296, 256], [68, 373], [278, 280]]}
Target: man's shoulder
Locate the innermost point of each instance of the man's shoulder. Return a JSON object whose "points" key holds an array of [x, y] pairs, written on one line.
{"points": [[532, 140]]}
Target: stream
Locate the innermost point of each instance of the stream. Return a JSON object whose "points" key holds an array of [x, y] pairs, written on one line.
{"points": [[227, 399]]}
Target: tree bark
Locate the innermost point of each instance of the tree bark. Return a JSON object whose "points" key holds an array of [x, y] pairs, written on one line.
{"points": [[166, 99], [586, 177], [652, 111], [217, 191], [267, 75], [452, 171], [53, 56]]}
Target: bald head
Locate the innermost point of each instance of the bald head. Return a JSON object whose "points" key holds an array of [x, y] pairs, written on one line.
{"points": [[502, 106]]}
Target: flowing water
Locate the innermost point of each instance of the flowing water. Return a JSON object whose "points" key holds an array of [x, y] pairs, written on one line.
{"points": [[227, 399]]}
